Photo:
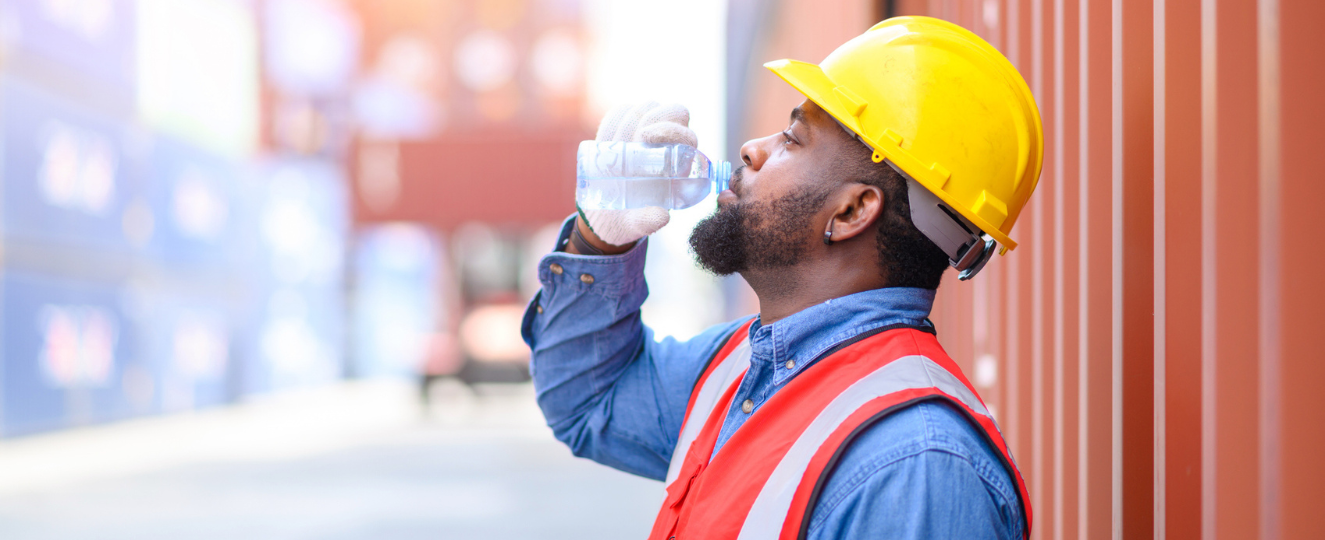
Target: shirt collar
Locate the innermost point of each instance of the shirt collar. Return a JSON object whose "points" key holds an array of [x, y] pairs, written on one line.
{"points": [[795, 342]]}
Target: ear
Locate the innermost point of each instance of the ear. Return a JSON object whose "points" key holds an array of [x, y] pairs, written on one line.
{"points": [[858, 212]]}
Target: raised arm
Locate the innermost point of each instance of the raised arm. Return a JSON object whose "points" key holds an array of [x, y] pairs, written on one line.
{"points": [[607, 389]]}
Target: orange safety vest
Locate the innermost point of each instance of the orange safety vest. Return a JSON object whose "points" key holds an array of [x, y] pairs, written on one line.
{"points": [[767, 477]]}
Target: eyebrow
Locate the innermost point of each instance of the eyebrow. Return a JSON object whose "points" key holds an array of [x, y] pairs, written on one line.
{"points": [[798, 114]]}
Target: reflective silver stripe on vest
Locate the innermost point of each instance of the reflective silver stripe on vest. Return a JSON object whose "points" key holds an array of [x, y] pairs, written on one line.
{"points": [[722, 376], [770, 509]]}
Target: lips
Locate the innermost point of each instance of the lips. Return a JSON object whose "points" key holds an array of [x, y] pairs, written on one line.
{"points": [[734, 185], [730, 194], [726, 197]]}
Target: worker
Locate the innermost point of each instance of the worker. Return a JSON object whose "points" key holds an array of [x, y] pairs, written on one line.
{"points": [[833, 413]]}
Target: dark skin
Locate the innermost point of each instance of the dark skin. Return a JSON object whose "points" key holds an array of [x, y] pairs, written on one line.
{"points": [[784, 163]]}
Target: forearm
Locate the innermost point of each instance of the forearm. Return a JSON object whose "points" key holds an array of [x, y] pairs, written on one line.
{"points": [[580, 342], [607, 388], [584, 331]]}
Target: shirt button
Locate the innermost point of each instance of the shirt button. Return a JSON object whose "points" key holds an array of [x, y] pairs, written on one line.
{"points": [[791, 364], [747, 406], [555, 268], [538, 308], [587, 279]]}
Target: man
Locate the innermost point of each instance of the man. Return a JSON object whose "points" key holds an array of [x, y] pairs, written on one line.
{"points": [[834, 413]]}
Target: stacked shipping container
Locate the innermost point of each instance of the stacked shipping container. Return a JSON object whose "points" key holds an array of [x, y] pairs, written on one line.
{"points": [[153, 261]]}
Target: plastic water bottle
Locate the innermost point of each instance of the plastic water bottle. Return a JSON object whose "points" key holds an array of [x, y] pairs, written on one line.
{"points": [[621, 175]]}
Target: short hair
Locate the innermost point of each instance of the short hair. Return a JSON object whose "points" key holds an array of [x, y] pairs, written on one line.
{"points": [[906, 257]]}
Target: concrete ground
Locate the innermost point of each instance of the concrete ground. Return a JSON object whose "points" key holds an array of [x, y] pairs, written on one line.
{"points": [[354, 461]]}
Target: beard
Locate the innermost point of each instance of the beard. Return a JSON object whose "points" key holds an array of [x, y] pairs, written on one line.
{"points": [[758, 236]]}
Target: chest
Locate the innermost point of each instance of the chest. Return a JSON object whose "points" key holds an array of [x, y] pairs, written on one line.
{"points": [[753, 390], [760, 481]]}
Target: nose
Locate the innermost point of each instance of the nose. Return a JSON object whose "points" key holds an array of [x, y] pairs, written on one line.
{"points": [[754, 152]]}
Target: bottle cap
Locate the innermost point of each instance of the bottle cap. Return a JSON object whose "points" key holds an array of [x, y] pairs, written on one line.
{"points": [[721, 174]]}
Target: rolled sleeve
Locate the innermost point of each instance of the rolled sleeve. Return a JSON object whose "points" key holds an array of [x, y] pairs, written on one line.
{"points": [[606, 388], [583, 285]]}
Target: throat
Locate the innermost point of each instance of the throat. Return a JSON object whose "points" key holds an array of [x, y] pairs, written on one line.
{"points": [[782, 292], [785, 291]]}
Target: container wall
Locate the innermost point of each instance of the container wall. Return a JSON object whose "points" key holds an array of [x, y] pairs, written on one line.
{"points": [[1151, 349]]}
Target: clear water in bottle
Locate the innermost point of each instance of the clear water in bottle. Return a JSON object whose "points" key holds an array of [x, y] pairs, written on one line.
{"points": [[622, 175]]}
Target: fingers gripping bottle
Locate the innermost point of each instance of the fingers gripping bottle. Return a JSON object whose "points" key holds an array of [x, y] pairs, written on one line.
{"points": [[624, 175]]}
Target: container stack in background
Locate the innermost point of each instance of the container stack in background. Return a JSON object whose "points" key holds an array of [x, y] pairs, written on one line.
{"points": [[72, 231], [202, 201], [470, 112], [159, 254], [309, 63]]}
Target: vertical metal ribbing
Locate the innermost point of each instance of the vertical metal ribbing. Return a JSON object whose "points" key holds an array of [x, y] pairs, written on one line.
{"points": [[1083, 268], [1117, 277], [1037, 249], [1209, 306], [1269, 287], [1058, 282], [1159, 275]]}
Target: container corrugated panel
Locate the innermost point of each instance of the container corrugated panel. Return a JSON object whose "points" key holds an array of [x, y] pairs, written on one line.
{"points": [[1153, 349]]}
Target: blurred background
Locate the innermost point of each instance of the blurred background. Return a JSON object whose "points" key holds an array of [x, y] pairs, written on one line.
{"points": [[262, 262]]}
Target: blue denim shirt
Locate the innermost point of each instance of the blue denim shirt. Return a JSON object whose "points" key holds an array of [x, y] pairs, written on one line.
{"points": [[616, 395]]}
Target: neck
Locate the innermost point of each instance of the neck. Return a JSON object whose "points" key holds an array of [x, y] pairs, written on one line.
{"points": [[821, 277]]}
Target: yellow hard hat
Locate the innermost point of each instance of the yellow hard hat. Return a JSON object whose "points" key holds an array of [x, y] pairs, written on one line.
{"points": [[942, 106]]}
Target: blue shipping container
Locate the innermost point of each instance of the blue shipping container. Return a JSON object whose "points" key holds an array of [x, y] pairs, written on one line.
{"points": [[70, 357], [69, 178]]}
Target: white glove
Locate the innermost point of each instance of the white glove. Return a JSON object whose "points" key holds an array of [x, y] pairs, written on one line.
{"points": [[649, 123]]}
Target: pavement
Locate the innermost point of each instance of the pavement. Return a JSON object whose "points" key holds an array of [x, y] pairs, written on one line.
{"points": [[356, 460]]}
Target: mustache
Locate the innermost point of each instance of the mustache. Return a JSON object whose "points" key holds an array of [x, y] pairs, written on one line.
{"points": [[735, 183]]}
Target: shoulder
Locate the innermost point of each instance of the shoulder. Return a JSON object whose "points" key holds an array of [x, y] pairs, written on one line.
{"points": [[702, 346], [674, 366], [924, 468]]}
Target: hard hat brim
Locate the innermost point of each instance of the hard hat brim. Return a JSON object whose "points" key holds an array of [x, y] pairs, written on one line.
{"points": [[811, 81]]}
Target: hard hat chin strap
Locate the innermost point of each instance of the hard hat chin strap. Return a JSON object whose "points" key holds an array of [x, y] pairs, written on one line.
{"points": [[967, 248]]}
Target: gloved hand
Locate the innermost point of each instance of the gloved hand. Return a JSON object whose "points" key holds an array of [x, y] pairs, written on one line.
{"points": [[644, 122]]}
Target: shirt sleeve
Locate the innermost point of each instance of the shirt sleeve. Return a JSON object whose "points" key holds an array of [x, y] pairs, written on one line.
{"points": [[607, 389], [919, 473]]}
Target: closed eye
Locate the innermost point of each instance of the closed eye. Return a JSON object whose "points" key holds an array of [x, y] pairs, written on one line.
{"points": [[786, 134]]}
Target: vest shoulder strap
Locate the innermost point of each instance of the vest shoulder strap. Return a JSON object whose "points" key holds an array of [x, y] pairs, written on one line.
{"points": [[950, 385], [726, 366]]}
